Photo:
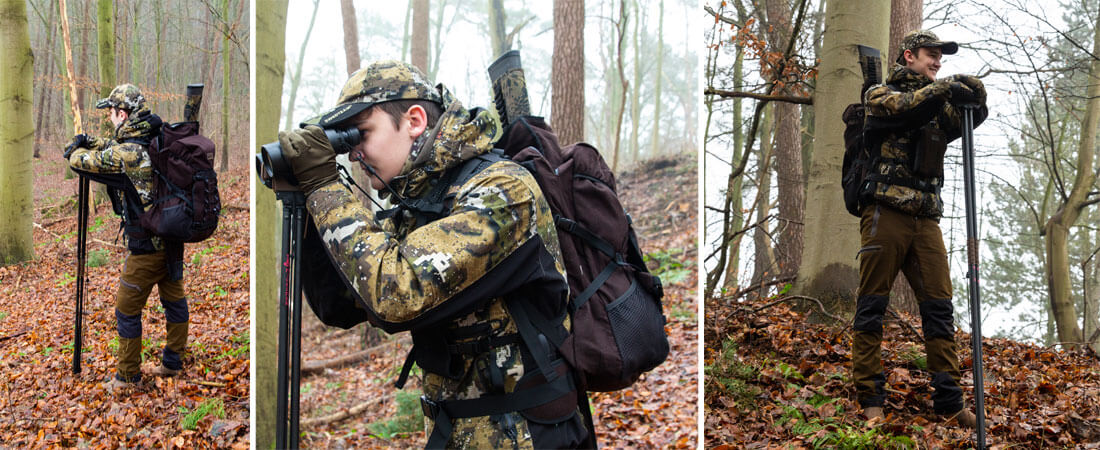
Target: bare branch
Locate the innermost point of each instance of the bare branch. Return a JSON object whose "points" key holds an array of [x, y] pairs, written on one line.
{"points": [[764, 97]]}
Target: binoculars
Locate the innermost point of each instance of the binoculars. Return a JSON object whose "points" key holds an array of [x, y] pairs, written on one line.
{"points": [[273, 168]]}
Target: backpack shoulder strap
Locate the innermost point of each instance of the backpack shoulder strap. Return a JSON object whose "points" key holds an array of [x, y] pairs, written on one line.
{"points": [[432, 206]]}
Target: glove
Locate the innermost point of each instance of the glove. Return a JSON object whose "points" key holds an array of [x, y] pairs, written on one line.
{"points": [[79, 140], [310, 156], [966, 89]]}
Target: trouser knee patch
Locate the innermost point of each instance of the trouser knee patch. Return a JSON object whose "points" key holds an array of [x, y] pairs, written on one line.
{"points": [[129, 326], [176, 311], [937, 318], [948, 396], [869, 311]]}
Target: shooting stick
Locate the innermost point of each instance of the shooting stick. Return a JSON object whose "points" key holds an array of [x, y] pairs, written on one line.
{"points": [[972, 266]]}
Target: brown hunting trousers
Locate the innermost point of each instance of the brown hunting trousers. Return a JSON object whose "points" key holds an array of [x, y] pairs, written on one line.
{"points": [[891, 241], [139, 275]]}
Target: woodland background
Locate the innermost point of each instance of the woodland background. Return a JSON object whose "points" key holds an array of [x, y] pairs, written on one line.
{"points": [[621, 75], [54, 67], [778, 74]]}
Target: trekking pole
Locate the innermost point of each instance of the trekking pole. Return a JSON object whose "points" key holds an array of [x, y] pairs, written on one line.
{"points": [[290, 318], [81, 252], [972, 265]]}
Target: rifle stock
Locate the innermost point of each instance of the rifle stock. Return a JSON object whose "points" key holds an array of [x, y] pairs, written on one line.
{"points": [[871, 66], [194, 102]]}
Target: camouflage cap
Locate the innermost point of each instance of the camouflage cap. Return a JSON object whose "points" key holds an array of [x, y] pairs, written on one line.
{"points": [[123, 96], [379, 82], [924, 38]]}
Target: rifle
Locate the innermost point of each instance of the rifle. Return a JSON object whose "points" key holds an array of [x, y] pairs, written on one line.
{"points": [[869, 58]]}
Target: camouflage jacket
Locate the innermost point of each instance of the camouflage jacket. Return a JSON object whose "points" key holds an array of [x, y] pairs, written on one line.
{"points": [[127, 154], [898, 113], [446, 280]]}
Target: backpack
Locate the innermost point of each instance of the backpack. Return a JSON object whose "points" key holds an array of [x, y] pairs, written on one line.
{"points": [[858, 161], [187, 203], [615, 303]]}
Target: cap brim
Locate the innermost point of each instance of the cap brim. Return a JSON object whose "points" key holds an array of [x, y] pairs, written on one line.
{"points": [[103, 103], [948, 47], [341, 113]]}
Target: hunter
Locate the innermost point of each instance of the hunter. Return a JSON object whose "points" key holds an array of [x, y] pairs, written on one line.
{"points": [[912, 117]]}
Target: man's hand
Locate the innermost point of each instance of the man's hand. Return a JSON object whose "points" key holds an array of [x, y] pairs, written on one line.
{"points": [[310, 155], [79, 140], [966, 89]]}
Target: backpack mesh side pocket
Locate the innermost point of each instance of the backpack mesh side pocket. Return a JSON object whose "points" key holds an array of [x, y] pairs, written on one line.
{"points": [[638, 326]]}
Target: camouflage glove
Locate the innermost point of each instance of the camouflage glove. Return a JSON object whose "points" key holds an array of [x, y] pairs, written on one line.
{"points": [[79, 140], [310, 155], [974, 83], [959, 93]]}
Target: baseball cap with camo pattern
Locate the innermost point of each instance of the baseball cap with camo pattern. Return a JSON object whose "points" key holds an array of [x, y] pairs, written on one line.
{"points": [[924, 38], [379, 82], [123, 96]]}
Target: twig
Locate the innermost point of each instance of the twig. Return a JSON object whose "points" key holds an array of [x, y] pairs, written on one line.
{"points": [[756, 286], [100, 242], [345, 413], [309, 367], [908, 325], [208, 383], [778, 98], [4, 338], [801, 297]]}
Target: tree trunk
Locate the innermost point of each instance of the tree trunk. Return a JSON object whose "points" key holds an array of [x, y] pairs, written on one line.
{"points": [[105, 33], [829, 270], [734, 185], [764, 264], [268, 90], [16, 134], [296, 77], [567, 72], [497, 34], [635, 100], [42, 115], [788, 153], [620, 35], [1057, 228], [351, 37], [421, 11], [225, 88], [405, 33], [655, 140], [905, 16]]}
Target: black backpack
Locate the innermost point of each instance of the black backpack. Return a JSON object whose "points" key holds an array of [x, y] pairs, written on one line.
{"points": [[858, 159], [187, 204]]}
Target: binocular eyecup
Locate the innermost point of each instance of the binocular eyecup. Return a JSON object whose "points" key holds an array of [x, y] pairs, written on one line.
{"points": [[271, 166]]}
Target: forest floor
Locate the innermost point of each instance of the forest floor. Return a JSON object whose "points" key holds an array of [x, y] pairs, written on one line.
{"points": [[776, 380], [43, 404], [660, 410]]}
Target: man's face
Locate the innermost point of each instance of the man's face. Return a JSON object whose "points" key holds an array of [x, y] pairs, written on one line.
{"points": [[384, 146], [926, 61], [118, 116]]}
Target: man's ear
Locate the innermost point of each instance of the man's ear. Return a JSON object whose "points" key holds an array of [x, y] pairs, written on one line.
{"points": [[909, 56], [418, 120]]}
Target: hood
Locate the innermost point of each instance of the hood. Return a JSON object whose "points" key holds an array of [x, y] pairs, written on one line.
{"points": [[906, 79], [141, 127], [459, 135]]}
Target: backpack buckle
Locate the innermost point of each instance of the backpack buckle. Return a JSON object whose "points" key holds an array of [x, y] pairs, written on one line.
{"points": [[430, 408]]}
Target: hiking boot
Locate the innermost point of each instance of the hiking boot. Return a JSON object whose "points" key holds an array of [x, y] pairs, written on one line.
{"points": [[117, 385], [964, 418], [161, 371], [874, 412]]}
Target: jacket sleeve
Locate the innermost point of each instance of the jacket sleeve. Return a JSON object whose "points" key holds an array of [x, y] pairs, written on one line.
{"points": [[104, 156], [406, 282], [890, 109]]}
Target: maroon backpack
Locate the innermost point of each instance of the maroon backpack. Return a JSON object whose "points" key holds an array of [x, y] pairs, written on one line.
{"points": [[618, 325], [186, 204]]}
